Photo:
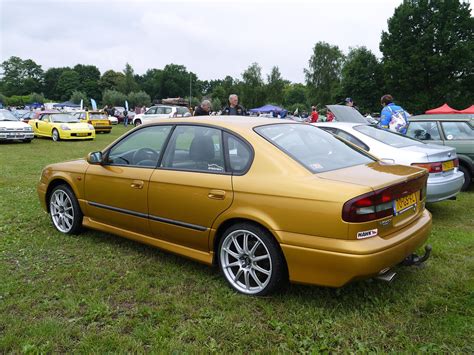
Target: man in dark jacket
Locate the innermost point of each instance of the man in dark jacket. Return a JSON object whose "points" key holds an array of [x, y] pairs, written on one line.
{"points": [[204, 109], [234, 109]]}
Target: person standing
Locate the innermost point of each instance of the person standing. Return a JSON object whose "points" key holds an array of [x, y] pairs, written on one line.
{"points": [[204, 109], [125, 117], [234, 109], [392, 117], [349, 102], [314, 115]]}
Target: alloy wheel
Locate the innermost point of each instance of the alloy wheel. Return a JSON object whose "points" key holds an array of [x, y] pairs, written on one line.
{"points": [[62, 211]]}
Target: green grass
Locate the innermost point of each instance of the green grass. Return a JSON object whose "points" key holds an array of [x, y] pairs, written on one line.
{"points": [[97, 292]]}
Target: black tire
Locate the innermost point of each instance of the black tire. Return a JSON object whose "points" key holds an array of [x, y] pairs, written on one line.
{"points": [[55, 135], [75, 225], [137, 123], [246, 270], [467, 177]]}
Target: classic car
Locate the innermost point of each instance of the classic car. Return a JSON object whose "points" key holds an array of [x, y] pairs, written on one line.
{"points": [[11, 128], [266, 200], [60, 126], [99, 119]]}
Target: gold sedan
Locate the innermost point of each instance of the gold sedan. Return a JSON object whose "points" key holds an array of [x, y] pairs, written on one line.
{"points": [[267, 201]]}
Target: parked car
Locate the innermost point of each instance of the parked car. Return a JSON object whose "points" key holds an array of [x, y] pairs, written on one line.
{"points": [[27, 116], [119, 114], [11, 128], [99, 119], [113, 120], [266, 200], [160, 111], [59, 126], [444, 182], [456, 130]]}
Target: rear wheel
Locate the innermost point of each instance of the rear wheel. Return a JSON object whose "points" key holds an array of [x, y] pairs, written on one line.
{"points": [[55, 135], [138, 122], [467, 177], [64, 210], [251, 260]]}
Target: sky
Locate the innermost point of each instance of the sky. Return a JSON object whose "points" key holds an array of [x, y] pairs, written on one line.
{"points": [[211, 38]]}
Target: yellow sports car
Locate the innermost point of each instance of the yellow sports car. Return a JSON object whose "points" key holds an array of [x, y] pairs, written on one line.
{"points": [[98, 119], [266, 200], [60, 126]]}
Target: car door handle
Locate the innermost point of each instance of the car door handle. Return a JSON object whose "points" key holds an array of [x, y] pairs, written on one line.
{"points": [[216, 194], [137, 184]]}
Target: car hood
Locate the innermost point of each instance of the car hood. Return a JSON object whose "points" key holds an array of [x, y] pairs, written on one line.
{"points": [[434, 153], [13, 124], [374, 175], [73, 126], [73, 166]]}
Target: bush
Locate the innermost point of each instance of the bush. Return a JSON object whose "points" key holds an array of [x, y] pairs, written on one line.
{"points": [[35, 97], [113, 98], [77, 96], [138, 98]]}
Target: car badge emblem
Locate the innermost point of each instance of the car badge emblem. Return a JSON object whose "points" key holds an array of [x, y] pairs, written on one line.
{"points": [[449, 154]]}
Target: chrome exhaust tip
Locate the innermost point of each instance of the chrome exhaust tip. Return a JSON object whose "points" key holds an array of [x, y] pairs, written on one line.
{"points": [[386, 275]]}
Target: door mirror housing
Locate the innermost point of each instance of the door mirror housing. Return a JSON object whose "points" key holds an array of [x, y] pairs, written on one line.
{"points": [[387, 161], [94, 158]]}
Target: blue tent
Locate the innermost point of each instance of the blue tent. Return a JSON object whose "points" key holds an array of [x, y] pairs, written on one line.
{"points": [[267, 109], [66, 104]]}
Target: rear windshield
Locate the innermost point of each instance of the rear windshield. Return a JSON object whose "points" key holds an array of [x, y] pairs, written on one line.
{"points": [[312, 147], [97, 116], [391, 138]]}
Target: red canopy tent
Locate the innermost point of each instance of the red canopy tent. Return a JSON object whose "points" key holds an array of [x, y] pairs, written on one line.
{"points": [[468, 110], [442, 109]]}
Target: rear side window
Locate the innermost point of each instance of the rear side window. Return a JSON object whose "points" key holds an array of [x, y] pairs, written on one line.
{"points": [[352, 139], [315, 149], [457, 130], [424, 131], [240, 154]]}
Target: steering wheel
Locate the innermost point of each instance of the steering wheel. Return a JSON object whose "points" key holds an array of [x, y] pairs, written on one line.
{"points": [[145, 154]]}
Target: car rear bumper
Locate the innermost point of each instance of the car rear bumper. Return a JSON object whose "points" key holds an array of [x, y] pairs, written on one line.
{"points": [[353, 259], [103, 128], [442, 188]]}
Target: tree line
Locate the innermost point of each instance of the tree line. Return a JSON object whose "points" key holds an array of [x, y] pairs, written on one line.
{"points": [[427, 59]]}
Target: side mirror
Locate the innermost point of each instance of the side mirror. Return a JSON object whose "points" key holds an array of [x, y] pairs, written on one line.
{"points": [[387, 161], [94, 158]]}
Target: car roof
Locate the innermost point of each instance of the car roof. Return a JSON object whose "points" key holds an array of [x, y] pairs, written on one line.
{"points": [[444, 117], [338, 124]]}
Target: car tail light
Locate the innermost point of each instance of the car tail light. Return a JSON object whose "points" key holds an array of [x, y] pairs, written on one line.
{"points": [[431, 167], [379, 204]]}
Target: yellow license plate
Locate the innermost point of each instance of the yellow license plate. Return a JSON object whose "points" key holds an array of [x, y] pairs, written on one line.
{"points": [[404, 203], [82, 134], [448, 165]]}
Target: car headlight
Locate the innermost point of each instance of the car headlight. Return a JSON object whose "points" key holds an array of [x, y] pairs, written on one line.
{"points": [[91, 127], [3, 128], [65, 127], [29, 128]]}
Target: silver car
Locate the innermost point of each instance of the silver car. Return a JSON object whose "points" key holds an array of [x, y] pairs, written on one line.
{"points": [[444, 181]]}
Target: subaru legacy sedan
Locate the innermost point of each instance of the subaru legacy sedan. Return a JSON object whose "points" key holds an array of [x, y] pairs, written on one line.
{"points": [[267, 201]]}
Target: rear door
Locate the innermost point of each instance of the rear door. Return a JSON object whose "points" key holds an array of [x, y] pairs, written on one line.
{"points": [[459, 135], [191, 187]]}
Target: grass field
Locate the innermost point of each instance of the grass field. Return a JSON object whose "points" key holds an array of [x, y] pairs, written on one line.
{"points": [[97, 292]]}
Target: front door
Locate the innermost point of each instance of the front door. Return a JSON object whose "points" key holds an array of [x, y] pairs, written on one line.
{"points": [[191, 187], [116, 191]]}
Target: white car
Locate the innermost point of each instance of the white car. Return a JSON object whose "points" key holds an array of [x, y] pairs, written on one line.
{"points": [[160, 111], [11, 128], [113, 120], [444, 180]]}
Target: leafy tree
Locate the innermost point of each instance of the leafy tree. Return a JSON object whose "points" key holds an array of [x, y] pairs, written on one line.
{"points": [[428, 54], [138, 98], [216, 104], [35, 97], [89, 76], [113, 98], [324, 73], [3, 99], [130, 84], [362, 79], [112, 80], [67, 83], [294, 94], [275, 86], [21, 77], [51, 78], [175, 80], [77, 96], [150, 82], [252, 87]]}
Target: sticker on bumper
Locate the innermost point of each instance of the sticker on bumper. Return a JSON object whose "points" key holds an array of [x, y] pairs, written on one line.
{"points": [[367, 234]]}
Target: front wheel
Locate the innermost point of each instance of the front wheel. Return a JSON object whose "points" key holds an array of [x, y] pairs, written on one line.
{"points": [[55, 135], [251, 260], [64, 210], [467, 177], [138, 122]]}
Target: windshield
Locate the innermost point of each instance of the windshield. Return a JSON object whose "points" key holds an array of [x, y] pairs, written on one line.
{"points": [[6, 115], [63, 118], [97, 116], [312, 147], [391, 138]]}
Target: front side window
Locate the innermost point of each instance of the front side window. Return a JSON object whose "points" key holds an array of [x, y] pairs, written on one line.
{"points": [[457, 130], [195, 148], [182, 110], [140, 148], [424, 131], [315, 149], [151, 111], [393, 139], [45, 118]]}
